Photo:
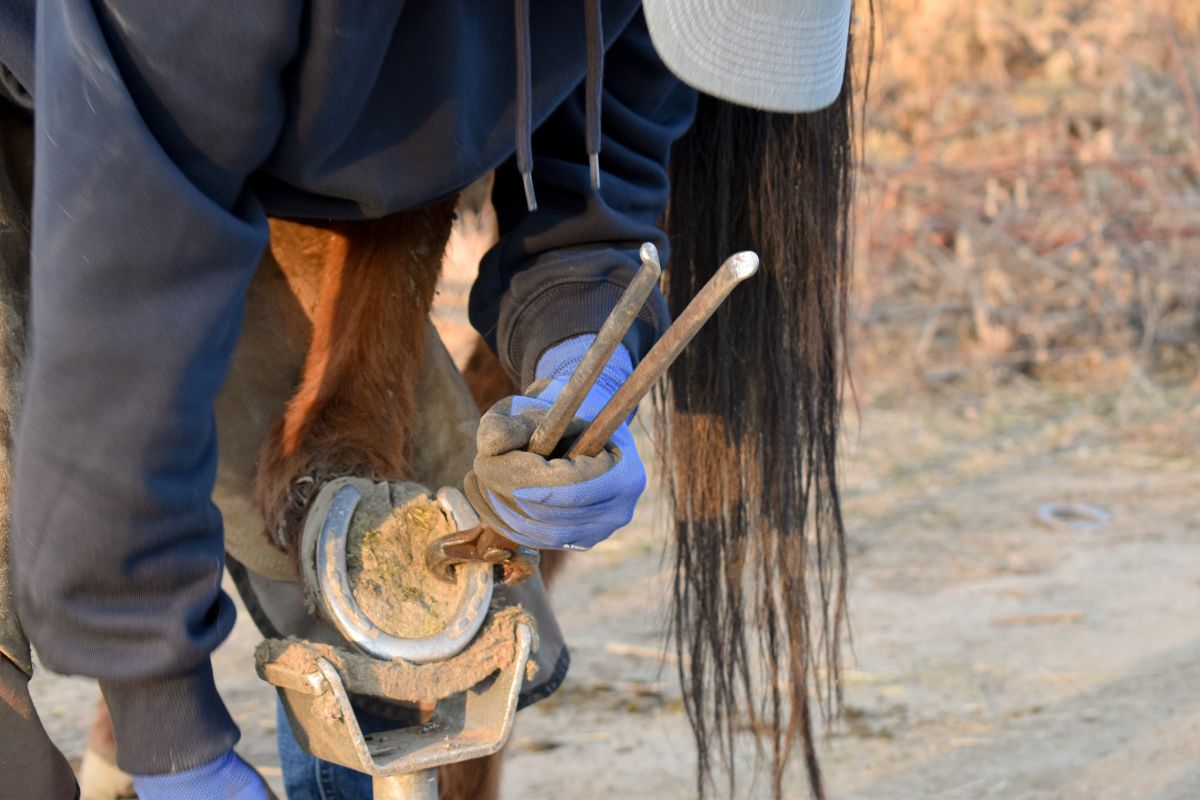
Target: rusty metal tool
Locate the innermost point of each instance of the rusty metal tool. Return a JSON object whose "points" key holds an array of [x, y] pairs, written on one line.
{"points": [[550, 430], [513, 563], [737, 268]]}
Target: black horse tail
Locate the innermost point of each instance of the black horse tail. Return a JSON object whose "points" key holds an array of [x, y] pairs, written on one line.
{"points": [[750, 416]]}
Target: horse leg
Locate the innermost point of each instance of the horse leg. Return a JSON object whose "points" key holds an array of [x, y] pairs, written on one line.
{"points": [[353, 411], [99, 776], [478, 779], [488, 381]]}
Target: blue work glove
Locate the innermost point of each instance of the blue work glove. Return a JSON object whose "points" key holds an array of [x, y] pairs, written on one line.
{"points": [[226, 778], [561, 504]]}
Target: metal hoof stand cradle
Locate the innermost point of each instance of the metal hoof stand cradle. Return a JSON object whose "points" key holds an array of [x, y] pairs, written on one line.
{"points": [[468, 721], [472, 667]]}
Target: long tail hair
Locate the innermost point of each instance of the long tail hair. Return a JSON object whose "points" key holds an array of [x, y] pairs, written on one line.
{"points": [[750, 416]]}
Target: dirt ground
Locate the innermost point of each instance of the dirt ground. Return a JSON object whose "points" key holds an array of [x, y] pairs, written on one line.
{"points": [[995, 654]]}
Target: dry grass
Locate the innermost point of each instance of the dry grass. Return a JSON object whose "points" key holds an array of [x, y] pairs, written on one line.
{"points": [[1030, 199]]}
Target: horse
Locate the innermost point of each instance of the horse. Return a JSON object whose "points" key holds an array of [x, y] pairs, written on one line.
{"points": [[746, 422]]}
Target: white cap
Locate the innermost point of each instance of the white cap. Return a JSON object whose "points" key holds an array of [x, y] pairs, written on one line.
{"points": [[777, 55]]}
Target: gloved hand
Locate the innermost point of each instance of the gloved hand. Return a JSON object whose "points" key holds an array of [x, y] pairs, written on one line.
{"points": [[227, 778], [567, 504]]}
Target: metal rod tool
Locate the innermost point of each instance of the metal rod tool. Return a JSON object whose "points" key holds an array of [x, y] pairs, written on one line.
{"points": [[737, 268], [549, 432]]}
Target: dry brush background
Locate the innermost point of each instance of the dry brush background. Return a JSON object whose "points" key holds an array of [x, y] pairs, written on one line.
{"points": [[1030, 200]]}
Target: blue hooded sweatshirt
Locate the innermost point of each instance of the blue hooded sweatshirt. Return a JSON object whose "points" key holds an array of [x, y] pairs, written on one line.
{"points": [[165, 135]]}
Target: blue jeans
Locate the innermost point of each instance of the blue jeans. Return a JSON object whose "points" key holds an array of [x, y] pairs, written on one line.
{"points": [[306, 777]]}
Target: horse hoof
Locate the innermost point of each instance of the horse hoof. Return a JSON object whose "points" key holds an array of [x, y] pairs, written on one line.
{"points": [[363, 559], [100, 779]]}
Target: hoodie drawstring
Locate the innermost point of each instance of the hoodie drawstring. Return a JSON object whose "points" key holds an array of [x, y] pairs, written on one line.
{"points": [[595, 83], [524, 104], [593, 91]]}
